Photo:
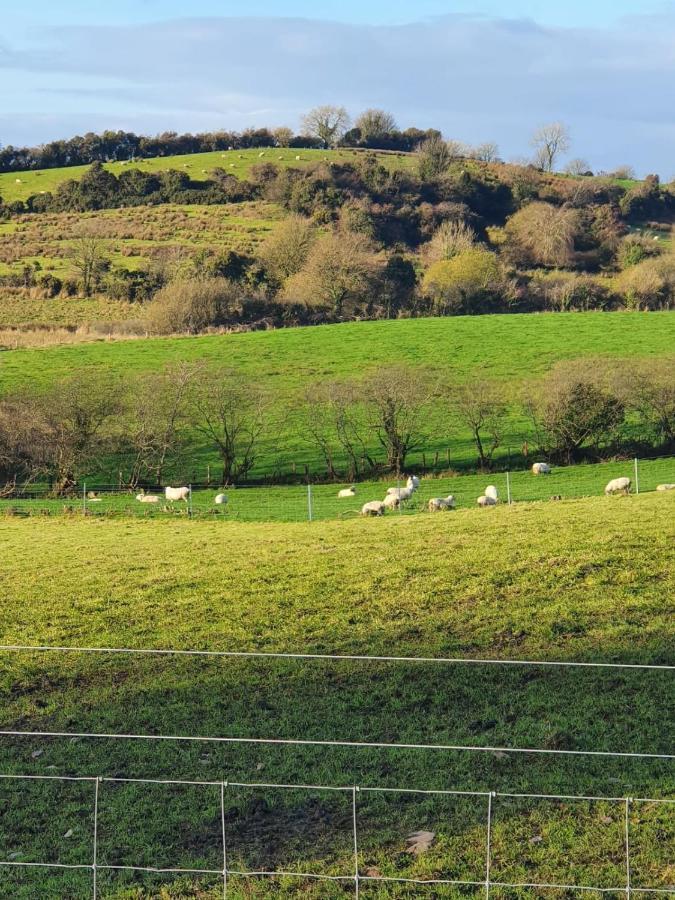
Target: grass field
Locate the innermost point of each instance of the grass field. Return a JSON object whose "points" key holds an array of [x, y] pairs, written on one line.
{"points": [[584, 580], [20, 185], [509, 349]]}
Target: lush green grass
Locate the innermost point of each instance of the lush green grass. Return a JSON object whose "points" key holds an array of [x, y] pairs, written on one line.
{"points": [[509, 349], [585, 580], [20, 185]]}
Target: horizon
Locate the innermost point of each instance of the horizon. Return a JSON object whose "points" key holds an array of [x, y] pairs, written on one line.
{"points": [[475, 75]]}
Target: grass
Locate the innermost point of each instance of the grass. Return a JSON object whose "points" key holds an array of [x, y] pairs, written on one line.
{"points": [[20, 185], [583, 580], [510, 349]]}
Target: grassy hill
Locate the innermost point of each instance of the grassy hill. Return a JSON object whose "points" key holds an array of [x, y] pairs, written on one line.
{"points": [[20, 185], [573, 581], [509, 349]]}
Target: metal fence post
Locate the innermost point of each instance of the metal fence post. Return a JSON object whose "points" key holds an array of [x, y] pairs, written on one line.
{"points": [[309, 502], [488, 861], [356, 843], [190, 501], [627, 827], [637, 477], [84, 498], [223, 785], [508, 487], [95, 863]]}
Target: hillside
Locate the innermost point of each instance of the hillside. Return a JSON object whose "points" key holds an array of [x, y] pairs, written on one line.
{"points": [[575, 581]]}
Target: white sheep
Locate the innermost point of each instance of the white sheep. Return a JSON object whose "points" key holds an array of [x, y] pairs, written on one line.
{"points": [[400, 493], [413, 482], [541, 469], [347, 492], [438, 504], [297, 157], [392, 501], [618, 486], [373, 508], [220, 500], [666, 487], [486, 501], [491, 492], [147, 498], [181, 493]]}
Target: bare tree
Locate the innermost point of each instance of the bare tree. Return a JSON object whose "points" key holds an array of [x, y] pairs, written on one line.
{"points": [[549, 143], [88, 255], [577, 167], [375, 123], [543, 234], [231, 412], [487, 152], [286, 250], [449, 239], [481, 406], [336, 425], [397, 398], [327, 123], [434, 157], [282, 136]]}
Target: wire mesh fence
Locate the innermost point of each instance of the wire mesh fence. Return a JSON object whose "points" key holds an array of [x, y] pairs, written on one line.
{"points": [[352, 837], [312, 502]]}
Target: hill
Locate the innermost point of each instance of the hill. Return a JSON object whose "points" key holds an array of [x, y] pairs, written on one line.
{"points": [[574, 581]]}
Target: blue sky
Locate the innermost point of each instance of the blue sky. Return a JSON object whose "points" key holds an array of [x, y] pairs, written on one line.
{"points": [[486, 70]]}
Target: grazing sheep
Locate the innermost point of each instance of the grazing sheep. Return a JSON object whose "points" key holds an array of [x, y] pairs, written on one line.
{"points": [[438, 504], [181, 493], [374, 508], [147, 498], [400, 493], [666, 487], [297, 157], [486, 501], [541, 469], [221, 499], [491, 492], [347, 492], [618, 486], [413, 482], [392, 501]]}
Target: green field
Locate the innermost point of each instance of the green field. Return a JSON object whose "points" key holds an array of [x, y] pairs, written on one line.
{"points": [[510, 349], [584, 580], [20, 185]]}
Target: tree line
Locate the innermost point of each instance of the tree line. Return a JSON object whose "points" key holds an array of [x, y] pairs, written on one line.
{"points": [[150, 427]]}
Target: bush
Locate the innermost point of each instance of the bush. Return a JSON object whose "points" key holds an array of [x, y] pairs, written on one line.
{"points": [[649, 284], [190, 306], [468, 282]]}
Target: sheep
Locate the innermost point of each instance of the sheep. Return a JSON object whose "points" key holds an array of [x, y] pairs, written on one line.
{"points": [[261, 155], [666, 487], [373, 508], [486, 501], [220, 500], [181, 493], [491, 492], [556, 497], [147, 498], [297, 157], [541, 469], [392, 501], [413, 482], [400, 493], [347, 492], [618, 486], [438, 504]]}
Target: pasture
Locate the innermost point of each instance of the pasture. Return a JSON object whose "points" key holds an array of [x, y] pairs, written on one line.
{"points": [[20, 185], [584, 580], [514, 350]]}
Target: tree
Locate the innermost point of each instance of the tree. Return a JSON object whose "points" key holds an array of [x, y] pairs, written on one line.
{"points": [[189, 305], [543, 234], [481, 406], [338, 272], [578, 167], [571, 411], [335, 424], [88, 255], [487, 152], [230, 411], [450, 238], [283, 136], [374, 124], [465, 282], [650, 388], [285, 251], [397, 399], [327, 123], [549, 143], [433, 158]]}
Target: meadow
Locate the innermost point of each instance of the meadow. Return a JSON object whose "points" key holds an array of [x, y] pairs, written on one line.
{"points": [[20, 185], [514, 350], [584, 580]]}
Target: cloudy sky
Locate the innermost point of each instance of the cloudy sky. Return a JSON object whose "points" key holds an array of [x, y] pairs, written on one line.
{"points": [[483, 70]]}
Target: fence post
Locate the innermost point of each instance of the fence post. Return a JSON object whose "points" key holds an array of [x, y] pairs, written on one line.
{"points": [[627, 824], [637, 477], [508, 487], [488, 861], [190, 501], [309, 502], [356, 843], [84, 498], [95, 863], [223, 785]]}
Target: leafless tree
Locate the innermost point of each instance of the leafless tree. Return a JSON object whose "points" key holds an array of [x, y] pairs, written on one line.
{"points": [[286, 250], [375, 123], [336, 425], [89, 257], [577, 167], [550, 142], [327, 123], [481, 406], [283, 136]]}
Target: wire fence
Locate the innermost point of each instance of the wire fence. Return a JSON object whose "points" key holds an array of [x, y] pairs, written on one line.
{"points": [[312, 502], [233, 854]]}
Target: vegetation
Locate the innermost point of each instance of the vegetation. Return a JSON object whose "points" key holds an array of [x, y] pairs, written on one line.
{"points": [[575, 581]]}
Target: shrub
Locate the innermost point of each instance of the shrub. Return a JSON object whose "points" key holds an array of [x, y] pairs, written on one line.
{"points": [[468, 282], [190, 306]]}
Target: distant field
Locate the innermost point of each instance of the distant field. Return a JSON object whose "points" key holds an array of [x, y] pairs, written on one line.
{"points": [[511, 349], [587, 580], [20, 185], [136, 235]]}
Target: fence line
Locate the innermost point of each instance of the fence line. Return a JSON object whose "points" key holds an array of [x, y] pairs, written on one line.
{"points": [[356, 877], [338, 657]]}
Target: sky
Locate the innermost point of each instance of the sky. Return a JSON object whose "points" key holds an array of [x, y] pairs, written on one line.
{"points": [[489, 70]]}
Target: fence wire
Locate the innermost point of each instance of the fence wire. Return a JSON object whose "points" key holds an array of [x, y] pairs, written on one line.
{"points": [[356, 877]]}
